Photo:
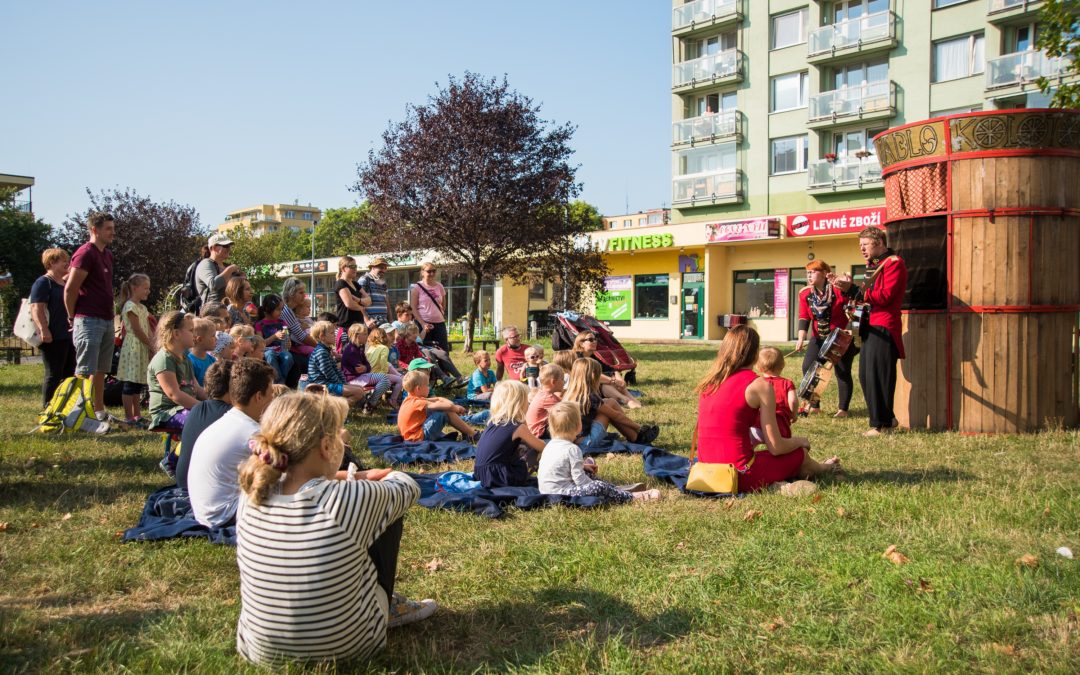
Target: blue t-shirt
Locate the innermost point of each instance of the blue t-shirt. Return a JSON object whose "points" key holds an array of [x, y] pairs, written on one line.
{"points": [[377, 290], [479, 379], [200, 366], [51, 294]]}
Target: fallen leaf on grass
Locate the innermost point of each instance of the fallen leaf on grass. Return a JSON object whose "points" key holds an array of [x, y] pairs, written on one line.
{"points": [[751, 515], [841, 512], [1028, 560], [894, 556], [1046, 511], [66, 516], [811, 509], [3, 527], [119, 534], [776, 625], [35, 525], [680, 546], [1008, 650], [800, 533], [729, 503], [610, 455], [435, 565], [817, 498], [924, 585]]}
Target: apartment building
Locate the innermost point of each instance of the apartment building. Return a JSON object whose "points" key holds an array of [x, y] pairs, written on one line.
{"points": [[774, 106], [22, 188], [639, 219], [266, 218]]}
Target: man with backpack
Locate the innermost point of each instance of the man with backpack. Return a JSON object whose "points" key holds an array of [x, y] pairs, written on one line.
{"points": [[189, 298], [212, 275]]}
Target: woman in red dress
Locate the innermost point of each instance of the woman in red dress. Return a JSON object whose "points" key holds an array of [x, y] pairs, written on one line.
{"points": [[730, 398], [821, 309]]}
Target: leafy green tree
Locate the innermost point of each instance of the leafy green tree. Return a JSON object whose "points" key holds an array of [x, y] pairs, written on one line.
{"points": [[1059, 36], [22, 239], [261, 256], [343, 231]]}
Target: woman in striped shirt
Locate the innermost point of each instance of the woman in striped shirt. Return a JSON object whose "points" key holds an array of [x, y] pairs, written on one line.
{"points": [[317, 556], [293, 293]]}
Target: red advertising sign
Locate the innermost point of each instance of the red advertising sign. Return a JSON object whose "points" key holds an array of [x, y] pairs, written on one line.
{"points": [[743, 230], [835, 222]]}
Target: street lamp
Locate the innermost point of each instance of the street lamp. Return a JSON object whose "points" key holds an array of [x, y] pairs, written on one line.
{"points": [[314, 298]]}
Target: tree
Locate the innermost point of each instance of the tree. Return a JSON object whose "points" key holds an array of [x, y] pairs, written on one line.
{"points": [[476, 176], [1059, 36], [343, 231], [22, 239], [575, 266], [159, 239]]}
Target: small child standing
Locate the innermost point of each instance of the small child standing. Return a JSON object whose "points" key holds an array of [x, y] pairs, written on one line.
{"points": [[357, 370], [551, 388], [135, 352], [770, 364], [276, 334], [483, 378], [422, 419], [323, 369], [534, 359], [204, 341], [563, 470]]}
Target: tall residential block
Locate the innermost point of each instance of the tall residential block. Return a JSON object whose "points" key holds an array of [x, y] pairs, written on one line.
{"points": [[266, 218]]}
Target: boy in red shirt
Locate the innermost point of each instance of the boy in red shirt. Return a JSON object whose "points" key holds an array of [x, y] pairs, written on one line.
{"points": [[422, 419]]}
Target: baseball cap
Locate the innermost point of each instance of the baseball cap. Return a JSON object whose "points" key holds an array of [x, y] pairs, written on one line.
{"points": [[219, 240], [418, 364]]}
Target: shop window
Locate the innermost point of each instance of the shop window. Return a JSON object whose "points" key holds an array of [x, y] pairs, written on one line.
{"points": [[858, 273], [754, 293], [538, 290], [651, 296]]}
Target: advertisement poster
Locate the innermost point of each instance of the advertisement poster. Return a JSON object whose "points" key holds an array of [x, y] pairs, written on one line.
{"points": [[780, 293], [613, 303], [835, 222], [743, 230]]}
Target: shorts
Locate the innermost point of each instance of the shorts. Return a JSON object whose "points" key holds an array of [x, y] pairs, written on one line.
{"points": [[597, 433], [94, 345], [131, 388], [769, 468]]}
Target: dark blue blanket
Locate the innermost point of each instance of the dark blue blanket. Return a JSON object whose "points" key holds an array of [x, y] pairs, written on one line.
{"points": [[472, 402], [395, 450], [167, 515], [666, 466], [494, 502]]}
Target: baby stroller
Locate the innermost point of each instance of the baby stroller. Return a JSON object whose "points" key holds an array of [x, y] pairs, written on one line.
{"points": [[610, 352]]}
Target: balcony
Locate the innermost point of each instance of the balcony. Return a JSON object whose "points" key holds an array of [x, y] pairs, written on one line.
{"points": [[844, 175], [721, 187], [23, 205], [864, 35], [719, 68], [1006, 10], [868, 101], [708, 128], [704, 15], [1021, 69]]}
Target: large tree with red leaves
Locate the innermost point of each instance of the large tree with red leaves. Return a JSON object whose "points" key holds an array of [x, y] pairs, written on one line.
{"points": [[478, 177]]}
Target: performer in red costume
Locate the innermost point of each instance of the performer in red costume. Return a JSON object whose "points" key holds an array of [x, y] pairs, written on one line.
{"points": [[883, 289]]}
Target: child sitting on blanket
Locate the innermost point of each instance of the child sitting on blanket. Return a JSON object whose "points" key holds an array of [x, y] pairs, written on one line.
{"points": [[483, 378], [500, 459], [357, 370], [550, 393], [564, 358], [422, 419], [408, 350], [322, 369], [770, 364], [598, 412], [563, 470]]}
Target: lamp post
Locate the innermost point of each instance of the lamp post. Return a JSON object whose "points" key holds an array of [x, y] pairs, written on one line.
{"points": [[314, 298]]}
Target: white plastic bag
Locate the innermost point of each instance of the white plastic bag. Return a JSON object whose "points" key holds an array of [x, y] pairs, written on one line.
{"points": [[25, 328]]}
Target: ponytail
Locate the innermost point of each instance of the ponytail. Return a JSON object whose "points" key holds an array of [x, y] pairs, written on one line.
{"points": [[126, 288]]}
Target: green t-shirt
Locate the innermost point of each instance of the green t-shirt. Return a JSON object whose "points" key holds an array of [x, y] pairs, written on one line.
{"points": [[161, 406]]}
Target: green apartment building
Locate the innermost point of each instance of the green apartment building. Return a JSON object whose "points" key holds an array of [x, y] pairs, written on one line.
{"points": [[774, 106]]}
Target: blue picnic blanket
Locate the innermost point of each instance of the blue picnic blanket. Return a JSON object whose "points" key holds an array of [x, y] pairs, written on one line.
{"points": [[168, 515], [396, 450], [494, 502], [471, 402], [666, 466]]}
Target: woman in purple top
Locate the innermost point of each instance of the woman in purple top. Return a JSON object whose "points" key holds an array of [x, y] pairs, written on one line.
{"points": [[356, 367]]}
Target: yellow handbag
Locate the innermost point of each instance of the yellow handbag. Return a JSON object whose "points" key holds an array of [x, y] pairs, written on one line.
{"points": [[715, 479]]}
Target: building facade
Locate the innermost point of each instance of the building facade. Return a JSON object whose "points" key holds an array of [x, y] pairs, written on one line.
{"points": [[23, 188], [266, 218], [774, 107]]}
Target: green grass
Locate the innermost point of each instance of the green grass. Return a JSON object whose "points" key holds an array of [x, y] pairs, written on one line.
{"points": [[679, 585]]}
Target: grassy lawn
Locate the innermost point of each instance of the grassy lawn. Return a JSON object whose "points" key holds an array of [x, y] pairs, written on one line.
{"points": [[678, 585]]}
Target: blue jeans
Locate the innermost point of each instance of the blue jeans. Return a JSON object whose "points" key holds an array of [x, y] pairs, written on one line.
{"points": [[478, 419], [94, 345], [433, 425], [597, 433], [280, 361]]}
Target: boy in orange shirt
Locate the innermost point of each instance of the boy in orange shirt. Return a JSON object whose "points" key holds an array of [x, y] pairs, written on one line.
{"points": [[422, 419]]}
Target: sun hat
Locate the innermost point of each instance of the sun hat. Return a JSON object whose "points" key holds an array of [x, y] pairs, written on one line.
{"points": [[387, 327], [376, 262]]}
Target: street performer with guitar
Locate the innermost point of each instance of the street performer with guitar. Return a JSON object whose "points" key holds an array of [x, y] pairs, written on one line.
{"points": [[822, 309], [881, 293]]}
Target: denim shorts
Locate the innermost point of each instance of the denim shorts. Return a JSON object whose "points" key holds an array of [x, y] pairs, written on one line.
{"points": [[597, 433], [433, 425], [94, 345]]}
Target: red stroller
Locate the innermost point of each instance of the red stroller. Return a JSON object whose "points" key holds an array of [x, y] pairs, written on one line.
{"points": [[610, 352]]}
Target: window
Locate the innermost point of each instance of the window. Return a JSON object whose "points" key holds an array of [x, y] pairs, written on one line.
{"points": [[656, 218], [857, 74], [708, 104], [627, 223], [938, 4], [650, 296], [307, 215], [789, 154], [754, 293], [708, 159], [290, 214], [789, 29], [711, 45], [789, 91], [846, 10], [855, 144], [611, 224], [538, 290], [959, 57], [641, 221]]}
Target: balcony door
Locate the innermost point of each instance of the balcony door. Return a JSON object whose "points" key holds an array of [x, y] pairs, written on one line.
{"points": [[696, 49], [713, 103], [848, 144], [845, 10], [1020, 39], [858, 74]]}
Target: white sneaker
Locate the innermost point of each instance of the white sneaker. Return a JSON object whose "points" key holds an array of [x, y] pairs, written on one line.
{"points": [[404, 611]]}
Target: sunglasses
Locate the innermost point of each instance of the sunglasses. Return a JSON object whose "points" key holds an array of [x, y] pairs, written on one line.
{"points": [[589, 340], [350, 267]]}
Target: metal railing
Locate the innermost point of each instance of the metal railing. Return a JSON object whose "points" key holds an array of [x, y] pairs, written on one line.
{"points": [[705, 127], [855, 171], [860, 99], [871, 28], [1003, 5], [1022, 67], [705, 186], [23, 205], [702, 11], [712, 67]]}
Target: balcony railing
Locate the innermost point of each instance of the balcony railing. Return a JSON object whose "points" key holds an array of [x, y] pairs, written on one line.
{"points": [[1023, 67], [706, 127], [859, 100], [1005, 5], [22, 205], [707, 68], [844, 172], [706, 186], [702, 11], [853, 33]]}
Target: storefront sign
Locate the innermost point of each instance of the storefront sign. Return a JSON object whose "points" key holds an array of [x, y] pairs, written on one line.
{"points": [[305, 267], [743, 230], [780, 292], [640, 242], [613, 303], [835, 222]]}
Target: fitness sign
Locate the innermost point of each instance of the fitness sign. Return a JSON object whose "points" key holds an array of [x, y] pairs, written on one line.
{"points": [[835, 222]]}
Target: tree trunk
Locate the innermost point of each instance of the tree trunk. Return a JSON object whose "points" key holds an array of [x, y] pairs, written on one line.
{"points": [[474, 308]]}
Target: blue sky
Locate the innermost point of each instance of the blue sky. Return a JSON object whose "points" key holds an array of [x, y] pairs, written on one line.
{"points": [[226, 104]]}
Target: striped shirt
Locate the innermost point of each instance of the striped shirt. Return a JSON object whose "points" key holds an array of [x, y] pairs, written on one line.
{"points": [[308, 586], [297, 332], [322, 368], [376, 288]]}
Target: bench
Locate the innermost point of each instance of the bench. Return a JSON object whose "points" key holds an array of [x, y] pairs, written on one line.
{"points": [[483, 342], [12, 354]]}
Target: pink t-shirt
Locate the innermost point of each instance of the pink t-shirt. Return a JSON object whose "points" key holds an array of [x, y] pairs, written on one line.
{"points": [[427, 309], [536, 416]]}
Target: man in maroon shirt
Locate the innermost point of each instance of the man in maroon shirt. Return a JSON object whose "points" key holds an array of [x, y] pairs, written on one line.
{"points": [[883, 289], [88, 298]]}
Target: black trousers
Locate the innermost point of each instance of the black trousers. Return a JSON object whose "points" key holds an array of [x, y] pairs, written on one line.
{"points": [[877, 375], [437, 336], [299, 367], [384, 554], [844, 381], [59, 359]]}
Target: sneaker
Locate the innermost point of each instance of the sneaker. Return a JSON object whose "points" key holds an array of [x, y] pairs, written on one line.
{"points": [[164, 464], [404, 611], [647, 434], [452, 436], [106, 416], [635, 487], [647, 495]]}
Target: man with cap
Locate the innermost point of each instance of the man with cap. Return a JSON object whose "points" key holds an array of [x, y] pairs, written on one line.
{"points": [[374, 284], [212, 275]]}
